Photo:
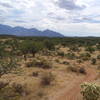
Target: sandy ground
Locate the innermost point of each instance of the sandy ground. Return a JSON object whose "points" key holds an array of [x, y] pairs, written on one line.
{"points": [[72, 92]]}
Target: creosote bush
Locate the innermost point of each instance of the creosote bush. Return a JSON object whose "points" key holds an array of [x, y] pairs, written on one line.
{"points": [[20, 89], [7, 93], [90, 91], [35, 74], [41, 63], [93, 61], [71, 56], [85, 56], [74, 49], [98, 57], [7, 66], [76, 69], [79, 61], [61, 54], [90, 49], [47, 79], [3, 84], [66, 63]]}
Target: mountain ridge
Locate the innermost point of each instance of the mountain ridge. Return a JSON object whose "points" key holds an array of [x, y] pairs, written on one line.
{"points": [[21, 31]]}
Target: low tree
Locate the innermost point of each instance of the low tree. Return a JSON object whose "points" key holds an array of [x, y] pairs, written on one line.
{"points": [[30, 47], [49, 45]]}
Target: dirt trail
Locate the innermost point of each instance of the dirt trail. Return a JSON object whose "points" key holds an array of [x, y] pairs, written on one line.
{"points": [[73, 91]]}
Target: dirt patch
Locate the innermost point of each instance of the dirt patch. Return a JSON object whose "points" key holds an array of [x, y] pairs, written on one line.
{"points": [[72, 91]]}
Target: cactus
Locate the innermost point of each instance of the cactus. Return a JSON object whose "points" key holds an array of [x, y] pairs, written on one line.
{"points": [[90, 91]]}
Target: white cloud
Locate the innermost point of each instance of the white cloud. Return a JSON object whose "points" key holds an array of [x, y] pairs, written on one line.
{"points": [[64, 18]]}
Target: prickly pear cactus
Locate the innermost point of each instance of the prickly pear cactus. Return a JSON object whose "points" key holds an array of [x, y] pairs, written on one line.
{"points": [[90, 91]]}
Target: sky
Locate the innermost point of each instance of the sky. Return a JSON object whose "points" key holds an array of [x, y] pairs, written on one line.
{"points": [[69, 17]]}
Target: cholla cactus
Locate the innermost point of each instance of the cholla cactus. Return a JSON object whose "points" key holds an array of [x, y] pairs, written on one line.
{"points": [[90, 91]]}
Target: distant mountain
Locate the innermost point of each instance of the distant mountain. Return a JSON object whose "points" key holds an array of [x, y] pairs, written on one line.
{"points": [[21, 31]]}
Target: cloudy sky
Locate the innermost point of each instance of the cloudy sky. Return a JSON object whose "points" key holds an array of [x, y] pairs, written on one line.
{"points": [[70, 17]]}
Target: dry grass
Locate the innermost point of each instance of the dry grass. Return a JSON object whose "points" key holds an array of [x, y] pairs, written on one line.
{"points": [[35, 72]]}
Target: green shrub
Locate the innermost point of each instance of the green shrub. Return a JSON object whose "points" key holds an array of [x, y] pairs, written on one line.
{"points": [[7, 93], [98, 47], [61, 54], [90, 91], [20, 89], [42, 63], [30, 47], [70, 56], [85, 56], [57, 60], [90, 49], [30, 63], [49, 45], [7, 66], [98, 57], [74, 48], [93, 61], [66, 63], [79, 61]]}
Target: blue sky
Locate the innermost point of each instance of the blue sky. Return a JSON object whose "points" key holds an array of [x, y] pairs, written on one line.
{"points": [[70, 17]]}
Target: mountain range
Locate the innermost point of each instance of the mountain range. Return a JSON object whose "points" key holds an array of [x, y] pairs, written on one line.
{"points": [[21, 31]]}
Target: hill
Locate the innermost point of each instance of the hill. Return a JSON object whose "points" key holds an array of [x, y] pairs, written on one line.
{"points": [[21, 31]]}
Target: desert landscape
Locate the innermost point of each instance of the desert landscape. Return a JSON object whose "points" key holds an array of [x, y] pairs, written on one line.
{"points": [[49, 49], [41, 68]]}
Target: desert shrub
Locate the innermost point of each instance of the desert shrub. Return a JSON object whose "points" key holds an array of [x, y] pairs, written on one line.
{"points": [[35, 74], [42, 63], [7, 93], [85, 56], [90, 91], [48, 52], [82, 70], [40, 94], [79, 61], [20, 89], [98, 57], [71, 56], [7, 66], [57, 60], [47, 79], [3, 84], [72, 69], [1, 52], [93, 61], [98, 47], [74, 48], [66, 63], [61, 54], [90, 49], [30, 63]]}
